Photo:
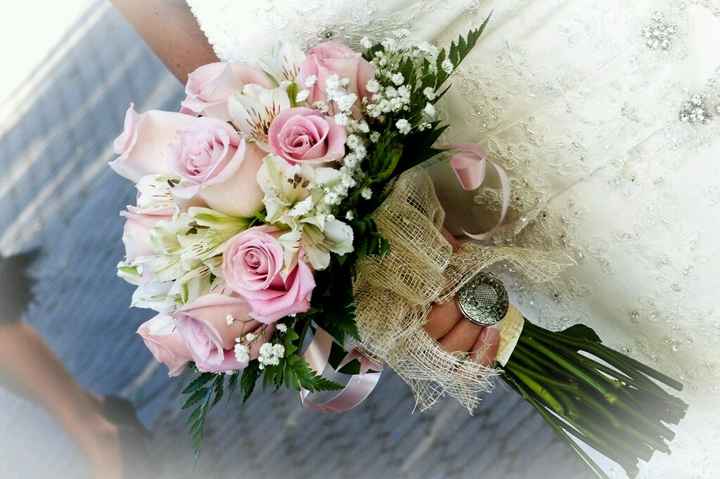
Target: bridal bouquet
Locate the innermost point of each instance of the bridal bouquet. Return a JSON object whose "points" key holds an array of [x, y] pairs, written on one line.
{"points": [[285, 234]]}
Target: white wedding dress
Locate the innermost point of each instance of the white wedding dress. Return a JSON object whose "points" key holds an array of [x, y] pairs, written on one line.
{"points": [[607, 115]]}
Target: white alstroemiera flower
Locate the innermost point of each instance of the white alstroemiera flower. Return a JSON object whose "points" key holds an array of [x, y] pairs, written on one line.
{"points": [[302, 199], [253, 110], [336, 237], [302, 96], [398, 79], [447, 66], [430, 111], [366, 193], [285, 62], [271, 354], [373, 86], [403, 126], [155, 193], [284, 186], [242, 353], [282, 327]]}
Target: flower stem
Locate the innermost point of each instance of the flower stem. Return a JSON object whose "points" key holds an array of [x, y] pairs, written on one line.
{"points": [[591, 394]]}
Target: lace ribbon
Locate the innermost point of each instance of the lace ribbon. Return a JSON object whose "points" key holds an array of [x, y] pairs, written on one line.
{"points": [[394, 294]]}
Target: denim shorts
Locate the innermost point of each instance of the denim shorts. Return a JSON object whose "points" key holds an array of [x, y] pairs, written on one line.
{"points": [[16, 286]]}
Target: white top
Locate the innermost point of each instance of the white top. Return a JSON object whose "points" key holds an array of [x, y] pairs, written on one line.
{"points": [[589, 105]]}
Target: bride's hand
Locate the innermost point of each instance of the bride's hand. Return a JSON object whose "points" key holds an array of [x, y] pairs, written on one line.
{"points": [[449, 327]]}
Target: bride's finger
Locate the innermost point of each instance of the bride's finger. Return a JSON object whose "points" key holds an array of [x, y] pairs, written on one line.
{"points": [[486, 347], [442, 318], [454, 242], [461, 338]]}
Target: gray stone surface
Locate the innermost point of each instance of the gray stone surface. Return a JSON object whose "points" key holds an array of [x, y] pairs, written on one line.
{"points": [[63, 199]]}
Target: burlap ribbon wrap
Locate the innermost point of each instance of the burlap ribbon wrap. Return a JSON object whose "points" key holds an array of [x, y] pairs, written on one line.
{"points": [[394, 293]]}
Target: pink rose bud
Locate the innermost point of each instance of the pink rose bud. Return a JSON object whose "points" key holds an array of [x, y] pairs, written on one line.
{"points": [[304, 134], [161, 337], [136, 234], [217, 164], [210, 86], [209, 327], [333, 58], [253, 266], [469, 163], [143, 145]]}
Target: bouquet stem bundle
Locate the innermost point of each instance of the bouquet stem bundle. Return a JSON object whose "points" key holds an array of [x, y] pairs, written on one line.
{"points": [[591, 394]]}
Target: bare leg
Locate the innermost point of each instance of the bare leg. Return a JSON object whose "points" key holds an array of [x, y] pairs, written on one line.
{"points": [[29, 367]]}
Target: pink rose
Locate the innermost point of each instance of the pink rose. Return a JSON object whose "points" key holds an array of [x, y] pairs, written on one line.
{"points": [[304, 134], [209, 327], [209, 87], [161, 337], [136, 234], [469, 162], [253, 267], [333, 58], [217, 164], [143, 145]]}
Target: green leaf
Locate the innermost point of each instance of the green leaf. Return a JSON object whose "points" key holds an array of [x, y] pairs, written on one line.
{"points": [[218, 390], [302, 376], [391, 162], [233, 383], [337, 355], [194, 417], [198, 383], [458, 51], [195, 398], [580, 331], [249, 377]]}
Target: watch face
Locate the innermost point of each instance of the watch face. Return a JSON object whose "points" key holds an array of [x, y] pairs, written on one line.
{"points": [[483, 300]]}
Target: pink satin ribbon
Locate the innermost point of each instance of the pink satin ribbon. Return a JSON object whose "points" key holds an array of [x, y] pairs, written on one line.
{"points": [[470, 166], [357, 389]]}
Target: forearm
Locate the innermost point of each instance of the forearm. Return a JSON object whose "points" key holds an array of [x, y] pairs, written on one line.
{"points": [[29, 368], [172, 32]]}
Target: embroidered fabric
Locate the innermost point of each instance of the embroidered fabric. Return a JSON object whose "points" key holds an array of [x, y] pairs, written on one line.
{"points": [[607, 115]]}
